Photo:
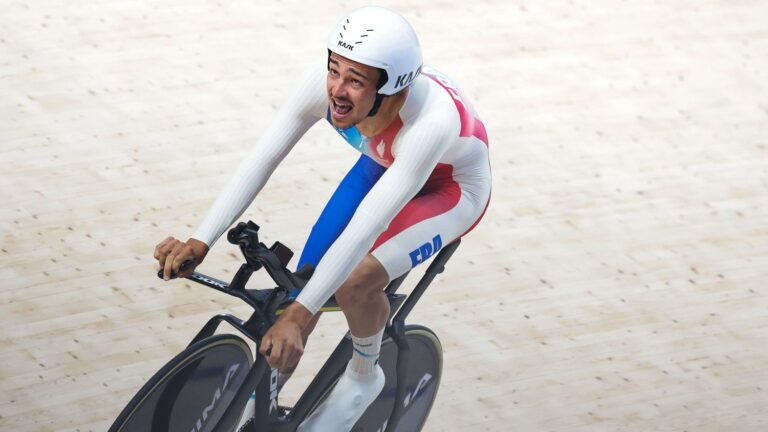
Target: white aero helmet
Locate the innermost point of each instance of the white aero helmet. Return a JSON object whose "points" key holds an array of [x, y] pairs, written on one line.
{"points": [[379, 37]]}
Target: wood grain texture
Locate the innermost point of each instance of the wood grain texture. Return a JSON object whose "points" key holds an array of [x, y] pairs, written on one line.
{"points": [[617, 283]]}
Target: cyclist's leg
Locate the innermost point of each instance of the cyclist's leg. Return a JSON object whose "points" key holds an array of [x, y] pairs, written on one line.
{"points": [[440, 213], [362, 299], [442, 210]]}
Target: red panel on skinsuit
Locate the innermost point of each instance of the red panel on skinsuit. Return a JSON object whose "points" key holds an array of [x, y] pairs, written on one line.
{"points": [[384, 140], [470, 126], [439, 194]]}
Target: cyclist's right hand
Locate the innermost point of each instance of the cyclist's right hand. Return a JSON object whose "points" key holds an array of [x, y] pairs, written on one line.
{"points": [[171, 253]]}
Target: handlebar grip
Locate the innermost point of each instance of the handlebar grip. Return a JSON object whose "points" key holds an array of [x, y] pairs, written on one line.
{"points": [[185, 265]]}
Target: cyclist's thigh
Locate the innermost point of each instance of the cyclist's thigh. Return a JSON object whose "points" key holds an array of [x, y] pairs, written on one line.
{"points": [[441, 212]]}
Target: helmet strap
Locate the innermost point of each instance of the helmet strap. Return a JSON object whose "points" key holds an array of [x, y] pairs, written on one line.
{"points": [[376, 104], [383, 78]]}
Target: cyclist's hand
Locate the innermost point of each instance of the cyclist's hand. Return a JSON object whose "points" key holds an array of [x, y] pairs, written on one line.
{"points": [[283, 344], [171, 253]]}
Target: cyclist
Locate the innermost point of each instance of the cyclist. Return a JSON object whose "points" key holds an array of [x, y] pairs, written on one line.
{"points": [[423, 180]]}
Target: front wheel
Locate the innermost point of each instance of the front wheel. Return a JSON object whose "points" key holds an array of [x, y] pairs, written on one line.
{"points": [[192, 391], [425, 366]]}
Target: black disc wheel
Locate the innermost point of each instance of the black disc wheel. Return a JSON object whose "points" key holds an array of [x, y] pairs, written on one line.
{"points": [[191, 392], [425, 366]]}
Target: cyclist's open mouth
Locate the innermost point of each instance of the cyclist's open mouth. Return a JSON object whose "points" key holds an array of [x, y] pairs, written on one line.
{"points": [[340, 109]]}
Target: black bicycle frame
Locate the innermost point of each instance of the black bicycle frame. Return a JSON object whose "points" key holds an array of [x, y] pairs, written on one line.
{"points": [[273, 260]]}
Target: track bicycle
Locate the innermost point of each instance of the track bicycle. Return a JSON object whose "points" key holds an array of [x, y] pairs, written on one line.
{"points": [[206, 387]]}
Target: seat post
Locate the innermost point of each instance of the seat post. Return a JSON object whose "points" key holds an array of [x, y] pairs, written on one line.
{"points": [[397, 330], [395, 284], [436, 267]]}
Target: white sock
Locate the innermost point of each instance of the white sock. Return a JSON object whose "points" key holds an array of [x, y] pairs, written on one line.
{"points": [[365, 353]]}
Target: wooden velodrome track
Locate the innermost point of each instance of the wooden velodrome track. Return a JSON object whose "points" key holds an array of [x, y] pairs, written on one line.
{"points": [[617, 283]]}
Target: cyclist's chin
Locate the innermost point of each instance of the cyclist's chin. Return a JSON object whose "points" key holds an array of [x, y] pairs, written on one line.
{"points": [[344, 122]]}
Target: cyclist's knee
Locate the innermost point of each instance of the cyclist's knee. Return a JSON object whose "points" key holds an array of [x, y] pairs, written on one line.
{"points": [[364, 284], [347, 297]]}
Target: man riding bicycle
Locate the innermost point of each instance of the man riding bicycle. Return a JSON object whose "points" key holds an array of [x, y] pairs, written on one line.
{"points": [[423, 180]]}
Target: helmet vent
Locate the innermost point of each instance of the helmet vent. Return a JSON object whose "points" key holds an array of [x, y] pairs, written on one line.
{"points": [[362, 36]]}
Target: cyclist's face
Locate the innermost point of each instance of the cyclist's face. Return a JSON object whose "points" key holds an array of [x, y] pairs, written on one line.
{"points": [[351, 90]]}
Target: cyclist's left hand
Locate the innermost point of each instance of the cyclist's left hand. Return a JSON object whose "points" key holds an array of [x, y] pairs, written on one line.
{"points": [[283, 344], [171, 253]]}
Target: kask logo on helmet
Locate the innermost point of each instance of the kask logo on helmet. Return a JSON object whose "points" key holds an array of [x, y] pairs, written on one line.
{"points": [[405, 79], [346, 45]]}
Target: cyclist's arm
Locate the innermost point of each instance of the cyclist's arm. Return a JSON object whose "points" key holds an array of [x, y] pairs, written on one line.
{"points": [[303, 109], [421, 146]]}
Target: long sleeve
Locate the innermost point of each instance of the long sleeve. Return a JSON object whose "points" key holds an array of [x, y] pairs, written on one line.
{"points": [[303, 109], [422, 145]]}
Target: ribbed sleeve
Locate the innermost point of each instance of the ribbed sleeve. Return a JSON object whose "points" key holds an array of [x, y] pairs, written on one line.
{"points": [[303, 109]]}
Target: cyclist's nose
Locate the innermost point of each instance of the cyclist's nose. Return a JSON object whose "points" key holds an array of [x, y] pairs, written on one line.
{"points": [[339, 89]]}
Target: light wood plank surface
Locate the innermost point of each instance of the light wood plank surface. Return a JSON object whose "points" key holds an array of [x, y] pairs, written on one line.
{"points": [[617, 283]]}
